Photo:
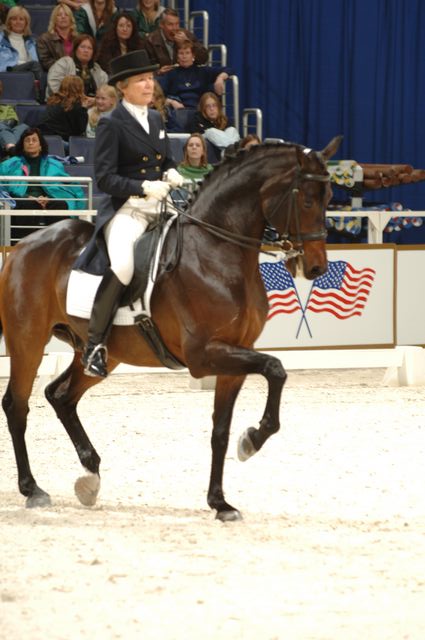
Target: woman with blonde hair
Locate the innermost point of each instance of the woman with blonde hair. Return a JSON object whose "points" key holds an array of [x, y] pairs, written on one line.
{"points": [[147, 15], [65, 113], [195, 165], [213, 123], [18, 50], [106, 101], [57, 41]]}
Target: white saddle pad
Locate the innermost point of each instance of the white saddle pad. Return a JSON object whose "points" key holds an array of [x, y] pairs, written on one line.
{"points": [[80, 295], [82, 289]]}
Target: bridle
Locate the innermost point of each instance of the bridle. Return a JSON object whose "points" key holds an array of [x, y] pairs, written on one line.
{"points": [[292, 244], [288, 244]]}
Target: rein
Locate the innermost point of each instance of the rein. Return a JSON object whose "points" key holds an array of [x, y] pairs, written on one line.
{"points": [[284, 243]]}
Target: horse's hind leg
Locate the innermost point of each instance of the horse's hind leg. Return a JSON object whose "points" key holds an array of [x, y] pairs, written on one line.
{"points": [[64, 394], [24, 362]]}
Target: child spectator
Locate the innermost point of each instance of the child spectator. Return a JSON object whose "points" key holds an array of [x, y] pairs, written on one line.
{"points": [[106, 101]]}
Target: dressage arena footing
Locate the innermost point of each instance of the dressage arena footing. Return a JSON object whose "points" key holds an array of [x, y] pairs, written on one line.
{"points": [[404, 365]]}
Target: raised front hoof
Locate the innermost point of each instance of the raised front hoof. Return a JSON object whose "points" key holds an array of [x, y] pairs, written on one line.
{"points": [[229, 516], [86, 489], [38, 499], [246, 447]]}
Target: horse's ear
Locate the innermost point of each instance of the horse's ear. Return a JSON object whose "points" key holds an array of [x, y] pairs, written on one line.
{"points": [[330, 150]]}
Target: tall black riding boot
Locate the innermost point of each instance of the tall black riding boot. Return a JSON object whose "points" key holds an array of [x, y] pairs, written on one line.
{"points": [[105, 305]]}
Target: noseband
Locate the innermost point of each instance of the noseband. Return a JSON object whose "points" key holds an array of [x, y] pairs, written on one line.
{"points": [[292, 245]]}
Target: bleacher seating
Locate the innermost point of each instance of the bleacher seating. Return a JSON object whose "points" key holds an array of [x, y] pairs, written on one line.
{"points": [[30, 114], [184, 118], [82, 146], [56, 146], [40, 16], [18, 87]]}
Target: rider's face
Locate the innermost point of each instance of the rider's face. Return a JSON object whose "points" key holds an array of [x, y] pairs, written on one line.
{"points": [[139, 90]]}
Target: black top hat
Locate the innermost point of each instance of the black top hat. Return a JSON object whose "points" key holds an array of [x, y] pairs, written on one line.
{"points": [[130, 64]]}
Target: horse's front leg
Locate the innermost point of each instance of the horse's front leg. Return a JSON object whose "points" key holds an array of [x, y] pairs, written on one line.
{"points": [[226, 392], [224, 360], [64, 394]]}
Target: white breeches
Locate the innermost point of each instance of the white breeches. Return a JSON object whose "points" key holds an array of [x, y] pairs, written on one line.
{"points": [[122, 232]]}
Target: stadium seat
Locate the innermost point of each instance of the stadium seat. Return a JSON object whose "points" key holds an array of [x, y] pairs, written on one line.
{"points": [[177, 142], [18, 87], [184, 118], [82, 146], [56, 146], [40, 16], [30, 114]]}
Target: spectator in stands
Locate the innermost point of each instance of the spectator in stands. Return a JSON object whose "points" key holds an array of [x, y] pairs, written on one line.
{"points": [[194, 165], [147, 15], [31, 159], [121, 38], [213, 123], [66, 114], [10, 129], [18, 48], [162, 44], [57, 41], [94, 17], [106, 101], [166, 111], [82, 64], [73, 4], [185, 83]]}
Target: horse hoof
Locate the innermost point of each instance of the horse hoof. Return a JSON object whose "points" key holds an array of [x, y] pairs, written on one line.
{"points": [[246, 448], [86, 489], [229, 516], [39, 499]]}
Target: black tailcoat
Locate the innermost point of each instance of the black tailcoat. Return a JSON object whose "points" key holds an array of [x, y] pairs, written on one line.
{"points": [[125, 156]]}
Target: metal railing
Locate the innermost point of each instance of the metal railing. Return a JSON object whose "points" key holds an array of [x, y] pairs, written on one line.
{"points": [[230, 100], [6, 211], [252, 122]]}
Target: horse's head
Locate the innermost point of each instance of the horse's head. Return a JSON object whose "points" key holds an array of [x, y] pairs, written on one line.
{"points": [[295, 204]]}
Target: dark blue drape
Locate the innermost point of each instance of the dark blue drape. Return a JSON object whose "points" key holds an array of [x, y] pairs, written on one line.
{"points": [[317, 68]]}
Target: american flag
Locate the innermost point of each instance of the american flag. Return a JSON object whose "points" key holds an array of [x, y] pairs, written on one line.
{"points": [[342, 291], [281, 291]]}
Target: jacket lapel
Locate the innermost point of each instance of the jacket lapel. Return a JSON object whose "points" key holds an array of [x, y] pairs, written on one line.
{"points": [[135, 129]]}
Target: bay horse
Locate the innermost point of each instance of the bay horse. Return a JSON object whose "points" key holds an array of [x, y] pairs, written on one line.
{"points": [[210, 309]]}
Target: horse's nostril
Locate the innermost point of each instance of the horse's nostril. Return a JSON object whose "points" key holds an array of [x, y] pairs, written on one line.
{"points": [[316, 271]]}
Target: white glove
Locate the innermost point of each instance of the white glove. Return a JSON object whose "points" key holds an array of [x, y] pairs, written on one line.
{"points": [[174, 178], [155, 189]]}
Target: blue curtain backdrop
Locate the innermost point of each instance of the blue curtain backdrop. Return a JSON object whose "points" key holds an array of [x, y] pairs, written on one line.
{"points": [[317, 68]]}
